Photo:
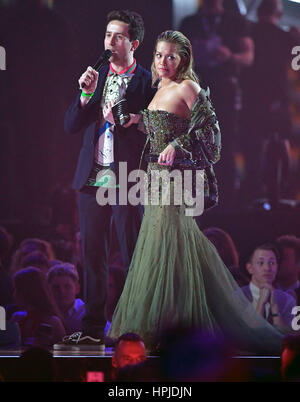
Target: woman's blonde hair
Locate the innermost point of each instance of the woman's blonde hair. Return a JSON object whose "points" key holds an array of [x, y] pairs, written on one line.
{"points": [[184, 49]]}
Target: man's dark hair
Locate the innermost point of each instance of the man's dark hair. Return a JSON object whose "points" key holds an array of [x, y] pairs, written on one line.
{"points": [[289, 241], [129, 337], [267, 246], [268, 8], [134, 20]]}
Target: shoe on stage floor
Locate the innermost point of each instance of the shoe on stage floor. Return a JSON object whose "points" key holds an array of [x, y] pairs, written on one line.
{"points": [[78, 341]]}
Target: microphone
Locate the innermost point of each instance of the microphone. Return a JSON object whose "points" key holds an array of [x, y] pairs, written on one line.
{"points": [[101, 61]]}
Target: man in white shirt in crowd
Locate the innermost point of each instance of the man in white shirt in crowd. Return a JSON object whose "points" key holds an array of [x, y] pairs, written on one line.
{"points": [[273, 304]]}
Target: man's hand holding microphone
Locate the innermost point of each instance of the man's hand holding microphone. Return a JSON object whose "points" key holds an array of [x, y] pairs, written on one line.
{"points": [[88, 84]]}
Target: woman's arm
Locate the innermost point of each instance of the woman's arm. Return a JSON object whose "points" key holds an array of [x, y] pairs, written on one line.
{"points": [[203, 141]]}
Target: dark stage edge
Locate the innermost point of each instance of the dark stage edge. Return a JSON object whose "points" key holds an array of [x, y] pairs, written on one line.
{"points": [[74, 366]]}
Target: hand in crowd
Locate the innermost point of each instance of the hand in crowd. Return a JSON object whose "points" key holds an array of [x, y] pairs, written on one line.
{"points": [[265, 294]]}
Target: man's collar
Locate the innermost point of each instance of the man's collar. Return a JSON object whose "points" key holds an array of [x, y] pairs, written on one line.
{"points": [[128, 70], [254, 290]]}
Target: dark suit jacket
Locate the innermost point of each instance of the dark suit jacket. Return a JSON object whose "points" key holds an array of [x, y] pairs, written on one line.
{"points": [[128, 143]]}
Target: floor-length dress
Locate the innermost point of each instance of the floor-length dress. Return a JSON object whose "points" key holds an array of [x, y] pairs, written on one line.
{"points": [[176, 276]]}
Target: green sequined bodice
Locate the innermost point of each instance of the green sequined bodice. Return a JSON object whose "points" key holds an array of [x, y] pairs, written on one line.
{"points": [[163, 127]]}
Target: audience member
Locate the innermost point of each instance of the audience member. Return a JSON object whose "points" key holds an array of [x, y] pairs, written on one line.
{"points": [[288, 271], [273, 304], [290, 359], [55, 262], [28, 246], [38, 318], [228, 252], [36, 259], [129, 350], [64, 284], [63, 241]]}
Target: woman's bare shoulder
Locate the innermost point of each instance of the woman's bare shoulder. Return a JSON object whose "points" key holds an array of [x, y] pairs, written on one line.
{"points": [[189, 91], [190, 85]]}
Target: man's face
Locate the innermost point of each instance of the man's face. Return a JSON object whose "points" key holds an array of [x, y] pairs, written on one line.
{"points": [[129, 353], [263, 267], [117, 39], [64, 290]]}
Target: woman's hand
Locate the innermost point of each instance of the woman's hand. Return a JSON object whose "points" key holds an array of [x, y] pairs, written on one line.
{"points": [[107, 112], [167, 156]]}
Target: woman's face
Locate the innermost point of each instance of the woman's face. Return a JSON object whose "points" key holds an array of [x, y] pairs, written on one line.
{"points": [[166, 60]]}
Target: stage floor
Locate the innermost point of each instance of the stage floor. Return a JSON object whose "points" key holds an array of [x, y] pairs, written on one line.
{"points": [[15, 353], [75, 366]]}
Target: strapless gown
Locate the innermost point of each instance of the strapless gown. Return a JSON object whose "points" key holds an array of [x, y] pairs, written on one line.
{"points": [[176, 276]]}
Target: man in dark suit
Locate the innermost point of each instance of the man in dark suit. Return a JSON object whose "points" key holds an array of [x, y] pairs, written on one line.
{"points": [[104, 147]]}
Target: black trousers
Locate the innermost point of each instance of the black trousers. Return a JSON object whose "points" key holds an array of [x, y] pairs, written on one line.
{"points": [[94, 221]]}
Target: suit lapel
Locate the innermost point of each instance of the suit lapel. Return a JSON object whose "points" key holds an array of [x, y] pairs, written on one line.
{"points": [[101, 81]]}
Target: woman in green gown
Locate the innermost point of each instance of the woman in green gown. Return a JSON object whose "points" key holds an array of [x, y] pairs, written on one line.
{"points": [[176, 276]]}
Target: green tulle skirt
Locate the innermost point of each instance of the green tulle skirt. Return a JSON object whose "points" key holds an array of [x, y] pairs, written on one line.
{"points": [[176, 277]]}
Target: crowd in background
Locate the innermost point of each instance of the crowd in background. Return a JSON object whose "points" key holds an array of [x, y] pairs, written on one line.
{"points": [[44, 300]]}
